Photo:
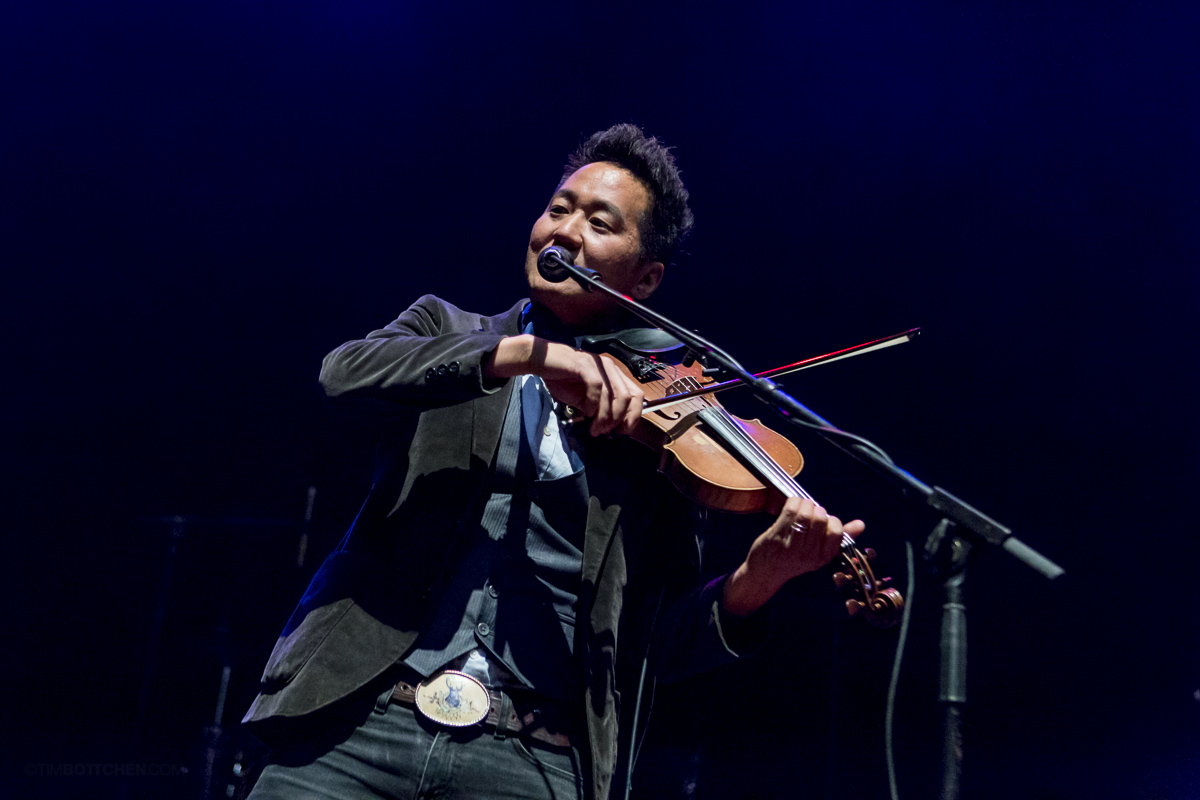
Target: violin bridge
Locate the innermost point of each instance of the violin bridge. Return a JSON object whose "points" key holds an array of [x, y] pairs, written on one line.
{"points": [[684, 384]]}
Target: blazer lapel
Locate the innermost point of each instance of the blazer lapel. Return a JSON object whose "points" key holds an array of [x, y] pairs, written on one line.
{"points": [[608, 492], [600, 599]]}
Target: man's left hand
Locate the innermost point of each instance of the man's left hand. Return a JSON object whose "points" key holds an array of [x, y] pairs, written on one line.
{"points": [[803, 538]]}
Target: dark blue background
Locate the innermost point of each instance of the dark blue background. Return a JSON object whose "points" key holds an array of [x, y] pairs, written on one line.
{"points": [[201, 200]]}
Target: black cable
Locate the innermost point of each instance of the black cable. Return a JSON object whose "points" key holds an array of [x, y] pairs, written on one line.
{"points": [[634, 747], [890, 714], [840, 434]]}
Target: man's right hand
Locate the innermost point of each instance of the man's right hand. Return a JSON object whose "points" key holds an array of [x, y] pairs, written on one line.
{"points": [[592, 383]]}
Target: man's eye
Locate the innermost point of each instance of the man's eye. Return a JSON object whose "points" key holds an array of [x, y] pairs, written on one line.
{"points": [[599, 223], [558, 209]]}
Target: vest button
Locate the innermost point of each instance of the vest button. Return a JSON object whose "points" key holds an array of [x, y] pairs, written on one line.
{"points": [[483, 629], [492, 591]]}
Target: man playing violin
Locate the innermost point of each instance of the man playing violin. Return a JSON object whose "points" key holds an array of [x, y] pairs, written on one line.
{"points": [[513, 581]]}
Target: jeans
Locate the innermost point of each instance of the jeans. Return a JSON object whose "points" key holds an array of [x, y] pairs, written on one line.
{"points": [[397, 753]]}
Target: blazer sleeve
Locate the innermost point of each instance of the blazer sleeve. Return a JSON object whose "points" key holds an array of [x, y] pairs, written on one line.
{"points": [[431, 355], [698, 636], [692, 633]]}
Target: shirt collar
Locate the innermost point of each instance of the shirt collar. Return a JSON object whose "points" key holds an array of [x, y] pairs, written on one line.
{"points": [[538, 320]]}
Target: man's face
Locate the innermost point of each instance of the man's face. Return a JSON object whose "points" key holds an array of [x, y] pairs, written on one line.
{"points": [[595, 215]]}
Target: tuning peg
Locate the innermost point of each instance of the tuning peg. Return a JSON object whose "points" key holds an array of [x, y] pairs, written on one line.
{"points": [[869, 553], [840, 579], [852, 606]]}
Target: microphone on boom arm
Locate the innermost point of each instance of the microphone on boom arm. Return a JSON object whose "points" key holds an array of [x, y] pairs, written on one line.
{"points": [[552, 265]]}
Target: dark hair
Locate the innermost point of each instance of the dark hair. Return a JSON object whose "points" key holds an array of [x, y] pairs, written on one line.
{"points": [[670, 219]]}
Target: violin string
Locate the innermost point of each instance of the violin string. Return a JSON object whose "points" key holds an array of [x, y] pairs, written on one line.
{"points": [[763, 461], [663, 370], [766, 463]]}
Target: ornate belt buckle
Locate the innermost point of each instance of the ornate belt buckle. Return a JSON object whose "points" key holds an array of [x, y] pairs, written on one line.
{"points": [[453, 698]]}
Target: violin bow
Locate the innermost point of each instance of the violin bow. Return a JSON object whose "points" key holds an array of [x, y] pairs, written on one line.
{"points": [[815, 361]]}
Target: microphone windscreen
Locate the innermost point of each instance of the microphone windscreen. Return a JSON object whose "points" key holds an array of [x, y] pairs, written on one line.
{"points": [[548, 263]]}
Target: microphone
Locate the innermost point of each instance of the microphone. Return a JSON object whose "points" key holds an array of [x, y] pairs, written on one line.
{"points": [[549, 267], [551, 263]]}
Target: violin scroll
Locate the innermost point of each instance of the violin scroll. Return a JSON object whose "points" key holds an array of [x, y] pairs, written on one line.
{"points": [[879, 603]]}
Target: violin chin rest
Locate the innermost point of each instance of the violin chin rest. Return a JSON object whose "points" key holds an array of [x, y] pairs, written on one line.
{"points": [[647, 341]]}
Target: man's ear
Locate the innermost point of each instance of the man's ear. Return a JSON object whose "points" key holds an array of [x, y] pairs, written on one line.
{"points": [[649, 281]]}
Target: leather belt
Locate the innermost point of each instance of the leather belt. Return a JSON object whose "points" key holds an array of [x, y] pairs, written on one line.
{"points": [[530, 723]]}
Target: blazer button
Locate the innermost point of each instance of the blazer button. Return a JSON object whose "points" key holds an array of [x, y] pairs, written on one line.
{"points": [[430, 374], [492, 590], [442, 369], [453, 367]]}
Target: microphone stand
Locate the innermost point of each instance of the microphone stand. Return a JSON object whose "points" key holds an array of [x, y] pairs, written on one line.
{"points": [[960, 528]]}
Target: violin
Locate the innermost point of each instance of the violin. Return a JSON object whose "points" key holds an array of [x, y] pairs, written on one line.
{"points": [[721, 461]]}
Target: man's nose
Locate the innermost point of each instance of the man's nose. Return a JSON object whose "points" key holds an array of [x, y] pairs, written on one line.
{"points": [[569, 232]]}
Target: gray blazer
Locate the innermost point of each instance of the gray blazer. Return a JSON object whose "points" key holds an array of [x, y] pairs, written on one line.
{"points": [[367, 603]]}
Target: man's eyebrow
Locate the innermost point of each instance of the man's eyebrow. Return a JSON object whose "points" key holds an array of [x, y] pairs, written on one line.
{"points": [[611, 209], [572, 197], [566, 194]]}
